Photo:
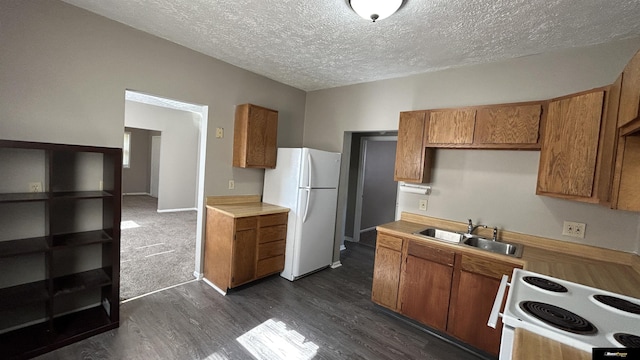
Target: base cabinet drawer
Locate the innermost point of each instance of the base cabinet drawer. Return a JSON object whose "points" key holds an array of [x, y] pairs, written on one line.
{"points": [[270, 265]]}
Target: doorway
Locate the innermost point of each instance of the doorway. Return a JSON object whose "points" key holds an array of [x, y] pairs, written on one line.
{"points": [[370, 191], [376, 193], [171, 205]]}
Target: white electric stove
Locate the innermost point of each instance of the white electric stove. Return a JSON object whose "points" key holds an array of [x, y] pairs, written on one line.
{"points": [[577, 315]]}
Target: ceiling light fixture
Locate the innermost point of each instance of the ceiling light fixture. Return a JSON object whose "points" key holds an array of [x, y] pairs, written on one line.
{"points": [[375, 9]]}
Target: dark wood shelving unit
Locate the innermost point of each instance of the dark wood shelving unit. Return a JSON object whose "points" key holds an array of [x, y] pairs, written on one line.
{"points": [[43, 241]]}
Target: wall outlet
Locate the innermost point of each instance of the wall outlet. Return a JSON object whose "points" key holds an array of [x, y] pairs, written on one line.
{"points": [[219, 133], [232, 185], [35, 186], [574, 229], [422, 205]]}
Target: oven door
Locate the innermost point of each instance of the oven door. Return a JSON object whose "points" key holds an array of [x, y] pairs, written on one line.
{"points": [[508, 332]]}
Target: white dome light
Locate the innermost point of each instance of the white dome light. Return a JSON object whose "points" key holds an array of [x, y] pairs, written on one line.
{"points": [[375, 9]]}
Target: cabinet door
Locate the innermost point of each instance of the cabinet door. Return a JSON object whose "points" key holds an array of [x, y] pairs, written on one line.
{"points": [[626, 189], [262, 137], [243, 267], [412, 159], [255, 137], [630, 93], [570, 146], [386, 277], [474, 289], [508, 125], [426, 287], [451, 126]]}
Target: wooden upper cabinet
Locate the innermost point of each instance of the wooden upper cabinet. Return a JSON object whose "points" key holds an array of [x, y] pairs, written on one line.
{"points": [[570, 146], [504, 126], [508, 125], [630, 93], [255, 137], [413, 160], [451, 126]]}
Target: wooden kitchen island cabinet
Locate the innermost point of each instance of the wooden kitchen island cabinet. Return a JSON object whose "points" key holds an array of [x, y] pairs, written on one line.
{"points": [[244, 242]]}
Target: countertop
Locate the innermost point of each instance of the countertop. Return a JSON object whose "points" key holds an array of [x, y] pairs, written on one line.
{"points": [[601, 268], [248, 209]]}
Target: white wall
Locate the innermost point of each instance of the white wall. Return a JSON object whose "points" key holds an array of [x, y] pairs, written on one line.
{"points": [[494, 187], [64, 72], [178, 151]]}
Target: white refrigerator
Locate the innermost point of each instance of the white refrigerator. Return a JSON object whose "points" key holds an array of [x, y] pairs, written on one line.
{"points": [[306, 181]]}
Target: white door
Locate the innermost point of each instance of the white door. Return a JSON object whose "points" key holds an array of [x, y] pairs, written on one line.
{"points": [[316, 223], [321, 169], [155, 165]]}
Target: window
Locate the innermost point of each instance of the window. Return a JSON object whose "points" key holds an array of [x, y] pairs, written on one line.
{"points": [[126, 150]]}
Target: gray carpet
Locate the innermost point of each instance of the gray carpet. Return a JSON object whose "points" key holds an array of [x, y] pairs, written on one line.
{"points": [[160, 252]]}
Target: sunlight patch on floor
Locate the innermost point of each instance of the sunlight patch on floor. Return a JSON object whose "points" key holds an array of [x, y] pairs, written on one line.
{"points": [[272, 341], [128, 224]]}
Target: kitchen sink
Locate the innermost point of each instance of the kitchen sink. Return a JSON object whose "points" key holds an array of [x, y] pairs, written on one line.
{"points": [[497, 247], [442, 235]]}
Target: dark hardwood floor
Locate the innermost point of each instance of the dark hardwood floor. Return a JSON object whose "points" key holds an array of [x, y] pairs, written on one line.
{"points": [[327, 315]]}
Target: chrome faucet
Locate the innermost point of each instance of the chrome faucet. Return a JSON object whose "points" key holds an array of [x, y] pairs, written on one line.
{"points": [[471, 228]]}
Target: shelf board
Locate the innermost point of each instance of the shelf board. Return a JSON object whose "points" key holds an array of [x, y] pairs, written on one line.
{"points": [[80, 239], [23, 197], [82, 324], [23, 246], [15, 296], [25, 342], [96, 194], [80, 281]]}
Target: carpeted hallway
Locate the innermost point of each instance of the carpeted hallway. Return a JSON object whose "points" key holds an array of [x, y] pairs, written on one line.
{"points": [[157, 249]]}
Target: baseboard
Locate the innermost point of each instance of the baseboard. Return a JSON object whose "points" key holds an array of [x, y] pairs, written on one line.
{"points": [[137, 193], [214, 287], [198, 275], [336, 264], [177, 210]]}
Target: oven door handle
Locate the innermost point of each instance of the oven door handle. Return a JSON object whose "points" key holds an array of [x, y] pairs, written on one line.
{"points": [[495, 310]]}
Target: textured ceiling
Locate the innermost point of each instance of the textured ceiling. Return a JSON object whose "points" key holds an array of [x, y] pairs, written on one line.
{"points": [[319, 44]]}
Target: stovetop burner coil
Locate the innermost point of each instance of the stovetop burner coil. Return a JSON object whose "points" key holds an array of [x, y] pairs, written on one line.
{"points": [[627, 340], [620, 304], [558, 317], [545, 284]]}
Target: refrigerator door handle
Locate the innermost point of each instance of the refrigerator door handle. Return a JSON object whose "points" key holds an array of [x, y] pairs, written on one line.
{"points": [[309, 168], [306, 209]]}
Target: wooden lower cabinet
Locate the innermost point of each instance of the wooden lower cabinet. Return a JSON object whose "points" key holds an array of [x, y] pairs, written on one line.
{"points": [[447, 290], [475, 284], [240, 250], [426, 285], [386, 273]]}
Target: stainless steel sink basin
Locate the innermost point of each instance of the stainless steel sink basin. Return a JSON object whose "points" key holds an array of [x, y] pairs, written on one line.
{"points": [[497, 247], [442, 235]]}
